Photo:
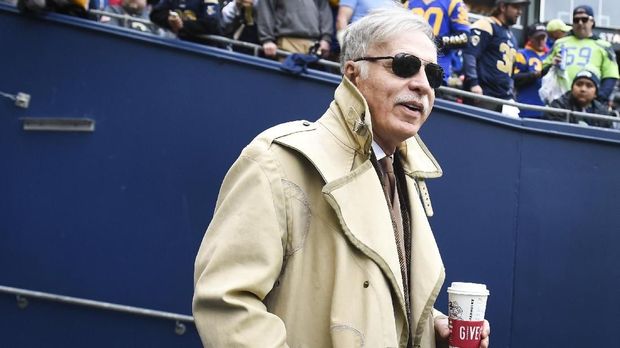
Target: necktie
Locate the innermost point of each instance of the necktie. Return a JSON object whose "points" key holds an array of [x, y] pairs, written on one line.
{"points": [[388, 174], [391, 191]]}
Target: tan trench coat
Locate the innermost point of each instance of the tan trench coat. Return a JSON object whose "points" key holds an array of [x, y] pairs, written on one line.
{"points": [[301, 250]]}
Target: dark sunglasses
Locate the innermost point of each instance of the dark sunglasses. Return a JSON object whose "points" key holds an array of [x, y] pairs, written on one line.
{"points": [[406, 65], [582, 20]]}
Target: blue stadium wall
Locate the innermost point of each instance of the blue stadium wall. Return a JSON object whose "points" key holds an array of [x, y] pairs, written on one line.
{"points": [[528, 207]]}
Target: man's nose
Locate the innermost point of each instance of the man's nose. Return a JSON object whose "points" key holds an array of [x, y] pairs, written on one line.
{"points": [[419, 81]]}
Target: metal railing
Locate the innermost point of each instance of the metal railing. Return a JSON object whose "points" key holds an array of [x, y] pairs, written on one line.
{"points": [[219, 39], [447, 90], [498, 101], [22, 296]]}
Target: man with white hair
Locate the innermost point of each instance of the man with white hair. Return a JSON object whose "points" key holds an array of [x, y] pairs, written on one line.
{"points": [[320, 236]]}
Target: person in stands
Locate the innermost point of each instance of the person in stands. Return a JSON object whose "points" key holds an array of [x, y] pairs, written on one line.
{"points": [[556, 29], [294, 26], [450, 22], [188, 19], [491, 53], [528, 69], [584, 50], [239, 21], [350, 11], [582, 98], [76, 8], [135, 15]]}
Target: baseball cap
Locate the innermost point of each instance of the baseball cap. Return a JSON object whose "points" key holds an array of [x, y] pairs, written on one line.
{"points": [[583, 9], [587, 74], [536, 29], [558, 24]]}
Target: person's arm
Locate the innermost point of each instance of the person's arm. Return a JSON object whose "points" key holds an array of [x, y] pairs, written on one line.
{"points": [[265, 24], [159, 14], [208, 21], [481, 33], [606, 89], [344, 16], [241, 257], [555, 116], [552, 58], [524, 74], [326, 25], [342, 20], [231, 17], [609, 73], [459, 27]]}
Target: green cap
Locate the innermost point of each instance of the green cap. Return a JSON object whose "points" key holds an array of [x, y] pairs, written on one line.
{"points": [[558, 24]]}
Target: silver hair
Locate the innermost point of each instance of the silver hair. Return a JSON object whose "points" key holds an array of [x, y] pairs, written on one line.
{"points": [[376, 29]]}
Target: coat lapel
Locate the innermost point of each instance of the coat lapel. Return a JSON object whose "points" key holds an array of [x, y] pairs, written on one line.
{"points": [[357, 198], [359, 202]]}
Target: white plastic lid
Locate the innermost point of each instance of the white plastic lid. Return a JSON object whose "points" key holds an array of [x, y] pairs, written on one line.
{"points": [[468, 289]]}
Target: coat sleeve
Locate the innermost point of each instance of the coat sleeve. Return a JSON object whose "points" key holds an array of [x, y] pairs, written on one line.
{"points": [[207, 21], [241, 257], [231, 18], [326, 21], [265, 21], [481, 35], [159, 14], [555, 116]]}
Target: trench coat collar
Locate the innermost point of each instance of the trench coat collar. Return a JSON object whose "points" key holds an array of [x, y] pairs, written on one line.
{"points": [[349, 120]]}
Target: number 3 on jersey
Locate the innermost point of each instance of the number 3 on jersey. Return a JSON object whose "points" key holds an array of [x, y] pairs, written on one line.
{"points": [[508, 58], [434, 12]]}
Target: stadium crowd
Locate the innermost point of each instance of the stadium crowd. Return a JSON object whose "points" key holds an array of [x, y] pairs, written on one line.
{"points": [[559, 65]]}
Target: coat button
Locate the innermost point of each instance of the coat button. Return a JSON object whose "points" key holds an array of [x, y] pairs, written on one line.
{"points": [[306, 123], [366, 284]]}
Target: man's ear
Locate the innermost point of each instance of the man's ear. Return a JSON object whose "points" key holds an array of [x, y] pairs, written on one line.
{"points": [[352, 71]]}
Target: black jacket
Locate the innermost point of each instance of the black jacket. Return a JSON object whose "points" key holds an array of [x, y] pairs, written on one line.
{"points": [[567, 102]]}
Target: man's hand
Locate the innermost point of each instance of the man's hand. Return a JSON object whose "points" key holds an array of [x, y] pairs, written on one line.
{"points": [[442, 333], [175, 22], [557, 59], [324, 48], [270, 48], [476, 89]]}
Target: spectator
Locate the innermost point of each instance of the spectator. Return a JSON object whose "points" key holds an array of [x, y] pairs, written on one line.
{"points": [[238, 20], [556, 29], [584, 51], [528, 68], [188, 19], [294, 26], [581, 97], [131, 9], [490, 55], [99, 5], [350, 11], [77, 8], [450, 22]]}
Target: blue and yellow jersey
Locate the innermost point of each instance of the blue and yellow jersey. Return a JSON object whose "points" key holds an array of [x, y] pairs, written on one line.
{"points": [[490, 57], [448, 18], [528, 62]]}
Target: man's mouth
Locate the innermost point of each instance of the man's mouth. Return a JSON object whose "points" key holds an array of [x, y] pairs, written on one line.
{"points": [[414, 107]]}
